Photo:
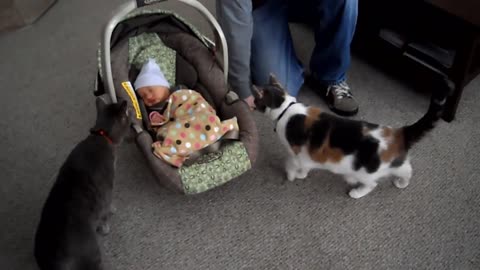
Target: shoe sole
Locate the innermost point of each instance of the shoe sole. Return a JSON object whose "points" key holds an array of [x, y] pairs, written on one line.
{"points": [[343, 113]]}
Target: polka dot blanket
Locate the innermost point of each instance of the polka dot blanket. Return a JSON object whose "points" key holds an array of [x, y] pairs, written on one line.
{"points": [[190, 124]]}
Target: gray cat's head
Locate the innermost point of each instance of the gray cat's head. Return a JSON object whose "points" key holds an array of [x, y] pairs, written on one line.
{"points": [[113, 119]]}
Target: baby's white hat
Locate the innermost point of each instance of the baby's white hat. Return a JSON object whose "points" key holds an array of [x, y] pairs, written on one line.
{"points": [[150, 75]]}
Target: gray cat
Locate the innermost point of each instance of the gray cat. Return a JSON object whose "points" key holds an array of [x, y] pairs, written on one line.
{"points": [[79, 204]]}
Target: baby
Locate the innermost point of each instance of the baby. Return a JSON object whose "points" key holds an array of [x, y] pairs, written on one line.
{"points": [[183, 120], [153, 88]]}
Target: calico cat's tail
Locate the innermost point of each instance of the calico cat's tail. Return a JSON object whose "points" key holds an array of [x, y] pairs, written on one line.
{"points": [[413, 133]]}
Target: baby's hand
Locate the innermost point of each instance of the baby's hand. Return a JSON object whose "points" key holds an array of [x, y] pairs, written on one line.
{"points": [[156, 118]]}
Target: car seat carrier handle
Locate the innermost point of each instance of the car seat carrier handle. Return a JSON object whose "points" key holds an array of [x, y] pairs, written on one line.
{"points": [[131, 5]]}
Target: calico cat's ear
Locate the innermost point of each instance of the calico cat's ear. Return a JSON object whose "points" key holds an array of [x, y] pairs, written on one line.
{"points": [[256, 92], [273, 81]]}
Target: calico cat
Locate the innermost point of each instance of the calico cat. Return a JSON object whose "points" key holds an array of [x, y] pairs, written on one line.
{"points": [[362, 152], [78, 205]]}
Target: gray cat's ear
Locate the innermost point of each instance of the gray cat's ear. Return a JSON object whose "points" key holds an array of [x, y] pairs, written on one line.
{"points": [[123, 106], [273, 80], [100, 104]]}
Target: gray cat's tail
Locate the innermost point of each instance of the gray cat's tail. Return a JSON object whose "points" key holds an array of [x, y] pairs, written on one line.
{"points": [[413, 133], [89, 264], [72, 264]]}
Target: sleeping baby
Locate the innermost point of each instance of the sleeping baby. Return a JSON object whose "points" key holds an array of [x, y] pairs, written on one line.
{"points": [[183, 120]]}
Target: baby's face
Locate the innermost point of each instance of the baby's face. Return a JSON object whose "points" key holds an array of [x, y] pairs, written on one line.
{"points": [[152, 95]]}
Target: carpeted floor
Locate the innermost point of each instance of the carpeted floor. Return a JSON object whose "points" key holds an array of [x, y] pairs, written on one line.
{"points": [[257, 221]]}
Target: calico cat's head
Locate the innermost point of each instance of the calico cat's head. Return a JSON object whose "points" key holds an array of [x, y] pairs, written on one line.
{"points": [[271, 97], [113, 119]]}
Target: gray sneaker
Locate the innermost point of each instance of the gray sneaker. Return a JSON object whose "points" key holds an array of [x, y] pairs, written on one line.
{"points": [[340, 100]]}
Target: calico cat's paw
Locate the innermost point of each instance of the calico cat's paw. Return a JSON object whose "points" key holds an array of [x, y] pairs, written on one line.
{"points": [[302, 174], [401, 182], [360, 191], [296, 174], [354, 193], [291, 175]]}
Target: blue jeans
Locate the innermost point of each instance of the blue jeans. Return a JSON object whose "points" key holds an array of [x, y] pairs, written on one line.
{"points": [[334, 24]]}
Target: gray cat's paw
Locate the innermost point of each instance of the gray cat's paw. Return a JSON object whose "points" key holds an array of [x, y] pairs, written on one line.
{"points": [[104, 229], [113, 209]]}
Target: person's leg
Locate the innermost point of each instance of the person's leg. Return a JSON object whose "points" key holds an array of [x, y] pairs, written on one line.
{"points": [[235, 18], [334, 32], [272, 47], [334, 27]]}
